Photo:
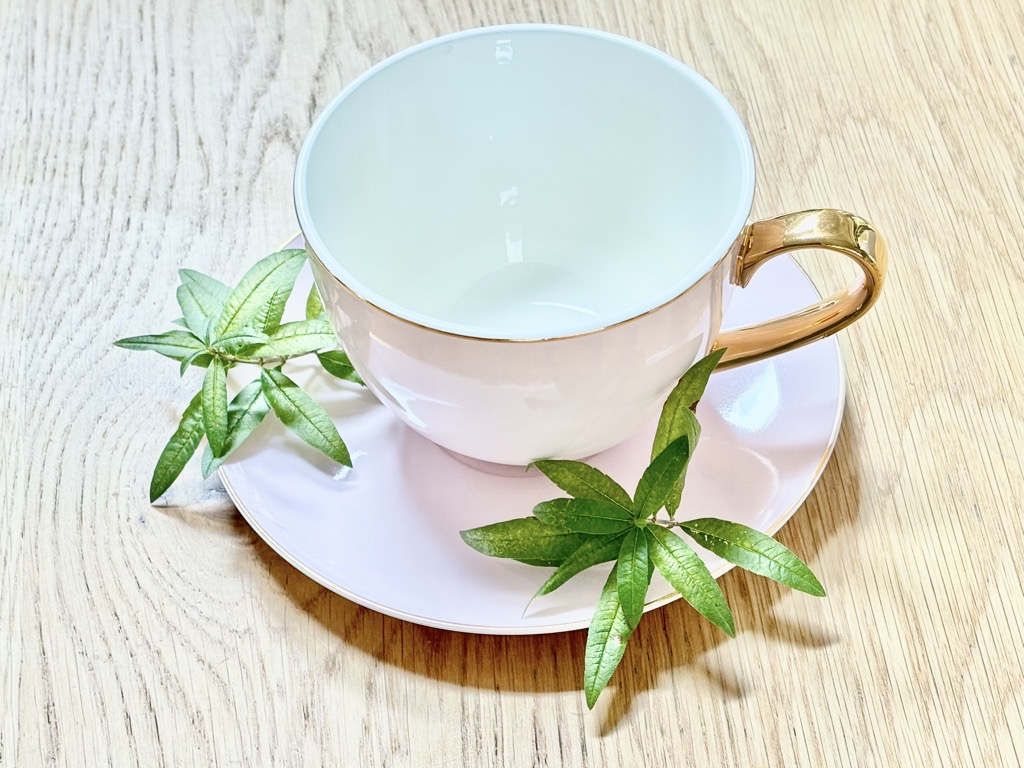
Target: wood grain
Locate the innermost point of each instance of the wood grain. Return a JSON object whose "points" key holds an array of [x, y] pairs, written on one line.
{"points": [[139, 136]]}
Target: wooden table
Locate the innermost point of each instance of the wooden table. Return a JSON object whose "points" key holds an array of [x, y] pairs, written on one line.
{"points": [[140, 136]]}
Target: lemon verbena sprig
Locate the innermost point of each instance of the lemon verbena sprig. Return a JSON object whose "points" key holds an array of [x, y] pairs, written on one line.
{"points": [[223, 328], [600, 522]]}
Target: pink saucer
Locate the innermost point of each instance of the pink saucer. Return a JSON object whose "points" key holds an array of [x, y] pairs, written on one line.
{"points": [[386, 534]]}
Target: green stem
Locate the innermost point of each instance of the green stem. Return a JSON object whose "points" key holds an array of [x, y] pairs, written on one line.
{"points": [[263, 362], [667, 523]]}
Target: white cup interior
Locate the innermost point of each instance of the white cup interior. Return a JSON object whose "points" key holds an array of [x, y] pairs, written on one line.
{"points": [[524, 182]]}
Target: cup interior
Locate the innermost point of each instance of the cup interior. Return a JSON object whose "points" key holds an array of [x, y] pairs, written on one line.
{"points": [[524, 182]]}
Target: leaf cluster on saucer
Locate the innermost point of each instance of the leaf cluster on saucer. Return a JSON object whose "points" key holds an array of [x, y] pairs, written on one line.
{"points": [[222, 328], [599, 522]]}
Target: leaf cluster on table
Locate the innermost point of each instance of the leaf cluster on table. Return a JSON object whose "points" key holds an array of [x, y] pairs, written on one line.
{"points": [[224, 328]]}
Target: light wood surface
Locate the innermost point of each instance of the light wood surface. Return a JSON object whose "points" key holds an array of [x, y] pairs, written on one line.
{"points": [[140, 136]]}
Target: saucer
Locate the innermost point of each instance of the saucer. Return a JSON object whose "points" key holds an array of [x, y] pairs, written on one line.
{"points": [[385, 534]]}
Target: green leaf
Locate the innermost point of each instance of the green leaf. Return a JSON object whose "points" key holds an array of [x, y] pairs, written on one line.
{"points": [[210, 463], [268, 317], [314, 305], [606, 640], [212, 291], [683, 423], [295, 339], [215, 405], [660, 478], [245, 412], [686, 572], [208, 333], [674, 422], [337, 364], [200, 358], [177, 345], [526, 539], [179, 449], [755, 552], [634, 574], [593, 551], [303, 416], [201, 298], [180, 321], [258, 287], [584, 515], [236, 343], [585, 482]]}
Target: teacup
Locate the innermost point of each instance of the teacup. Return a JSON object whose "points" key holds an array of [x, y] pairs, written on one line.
{"points": [[524, 235]]}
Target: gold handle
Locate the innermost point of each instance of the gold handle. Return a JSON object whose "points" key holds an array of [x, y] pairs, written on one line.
{"points": [[825, 228]]}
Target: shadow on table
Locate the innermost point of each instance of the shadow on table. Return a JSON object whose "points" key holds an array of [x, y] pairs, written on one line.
{"points": [[673, 637]]}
